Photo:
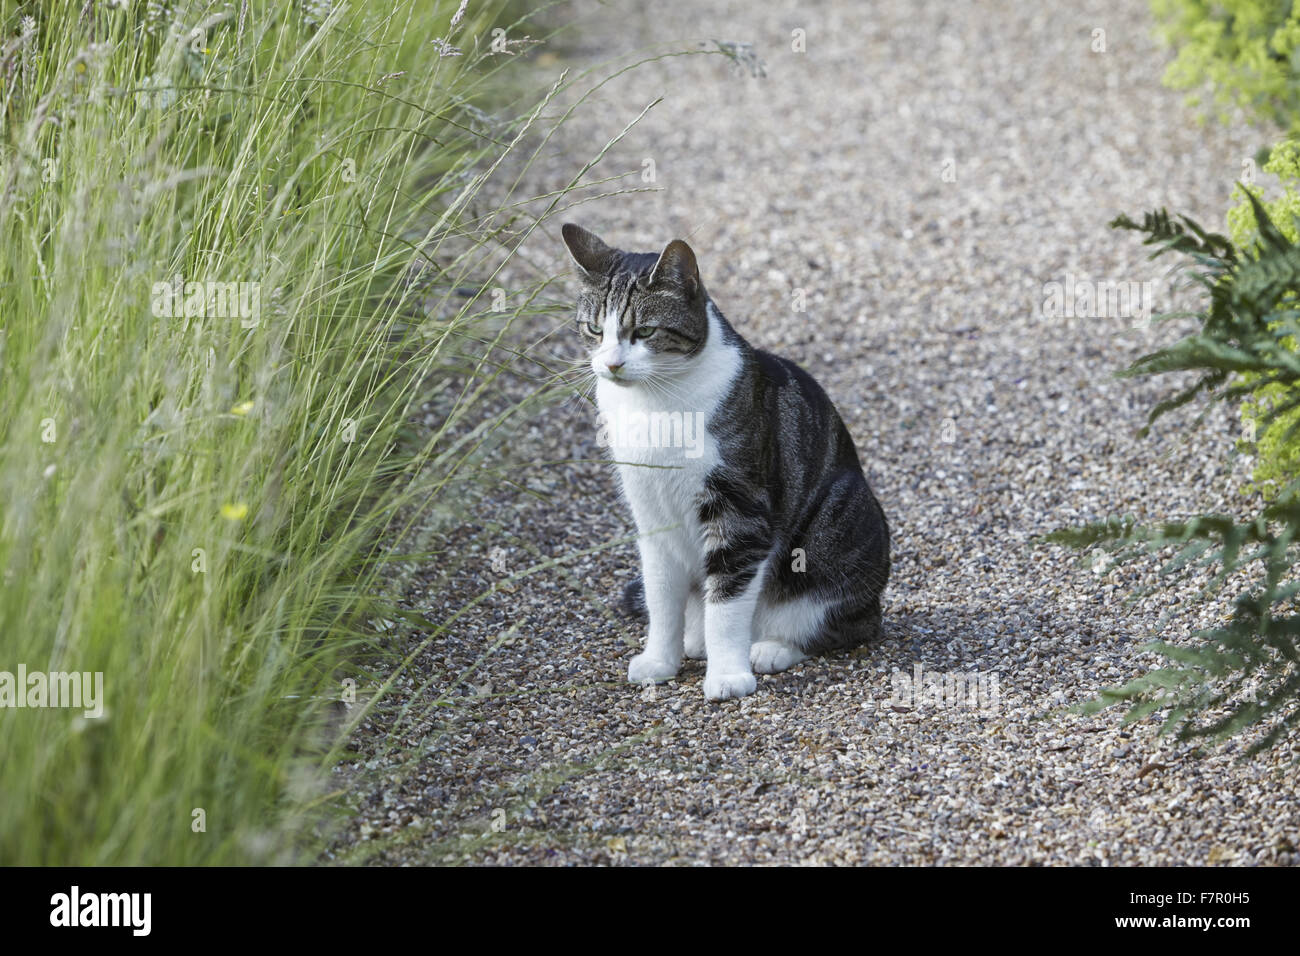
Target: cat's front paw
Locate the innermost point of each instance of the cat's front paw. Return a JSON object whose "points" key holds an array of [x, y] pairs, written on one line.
{"points": [[644, 668], [722, 686]]}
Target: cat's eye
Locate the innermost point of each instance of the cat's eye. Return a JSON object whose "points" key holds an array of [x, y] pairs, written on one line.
{"points": [[644, 332], [593, 329]]}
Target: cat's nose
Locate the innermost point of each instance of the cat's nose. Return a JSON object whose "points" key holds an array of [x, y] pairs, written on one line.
{"points": [[613, 367]]}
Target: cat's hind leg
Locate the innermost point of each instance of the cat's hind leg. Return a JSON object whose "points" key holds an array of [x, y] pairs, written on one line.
{"points": [[851, 624], [772, 657], [782, 632]]}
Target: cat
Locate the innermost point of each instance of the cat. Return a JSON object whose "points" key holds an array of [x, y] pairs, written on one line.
{"points": [[761, 542]]}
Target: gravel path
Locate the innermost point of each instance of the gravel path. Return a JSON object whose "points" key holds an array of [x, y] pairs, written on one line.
{"points": [[920, 172]]}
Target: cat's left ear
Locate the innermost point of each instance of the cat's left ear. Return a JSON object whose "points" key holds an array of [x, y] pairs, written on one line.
{"points": [[677, 266]]}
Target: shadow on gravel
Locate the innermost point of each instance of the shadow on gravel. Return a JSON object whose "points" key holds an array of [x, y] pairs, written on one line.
{"points": [[955, 637]]}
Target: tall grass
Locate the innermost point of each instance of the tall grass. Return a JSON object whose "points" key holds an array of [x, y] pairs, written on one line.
{"points": [[194, 490]]}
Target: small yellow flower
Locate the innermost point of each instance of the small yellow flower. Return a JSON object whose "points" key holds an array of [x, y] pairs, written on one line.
{"points": [[235, 512], [243, 408]]}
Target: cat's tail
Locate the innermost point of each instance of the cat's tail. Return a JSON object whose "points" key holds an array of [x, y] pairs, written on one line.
{"points": [[633, 603]]}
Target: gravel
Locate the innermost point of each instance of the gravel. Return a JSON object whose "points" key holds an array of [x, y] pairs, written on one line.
{"points": [[920, 173]]}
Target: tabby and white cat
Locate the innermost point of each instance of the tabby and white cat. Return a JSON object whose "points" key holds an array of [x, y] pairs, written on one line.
{"points": [[761, 542]]}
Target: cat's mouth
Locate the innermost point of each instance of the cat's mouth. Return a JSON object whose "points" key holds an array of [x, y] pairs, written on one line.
{"points": [[619, 378]]}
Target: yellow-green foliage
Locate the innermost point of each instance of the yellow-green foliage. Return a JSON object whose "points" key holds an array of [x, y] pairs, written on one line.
{"points": [[1245, 51], [1278, 458]]}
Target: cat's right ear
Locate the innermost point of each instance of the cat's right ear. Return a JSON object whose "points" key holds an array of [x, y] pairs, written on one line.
{"points": [[677, 267], [592, 256]]}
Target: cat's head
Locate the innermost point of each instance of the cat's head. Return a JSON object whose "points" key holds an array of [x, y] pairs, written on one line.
{"points": [[642, 315]]}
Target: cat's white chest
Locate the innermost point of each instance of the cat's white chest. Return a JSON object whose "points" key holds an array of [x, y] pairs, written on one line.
{"points": [[661, 441], [664, 451]]}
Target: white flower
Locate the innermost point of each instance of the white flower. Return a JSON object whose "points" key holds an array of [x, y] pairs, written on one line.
{"points": [[316, 12]]}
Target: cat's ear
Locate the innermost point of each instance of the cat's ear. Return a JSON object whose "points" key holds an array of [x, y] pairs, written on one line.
{"points": [[677, 267], [592, 256]]}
